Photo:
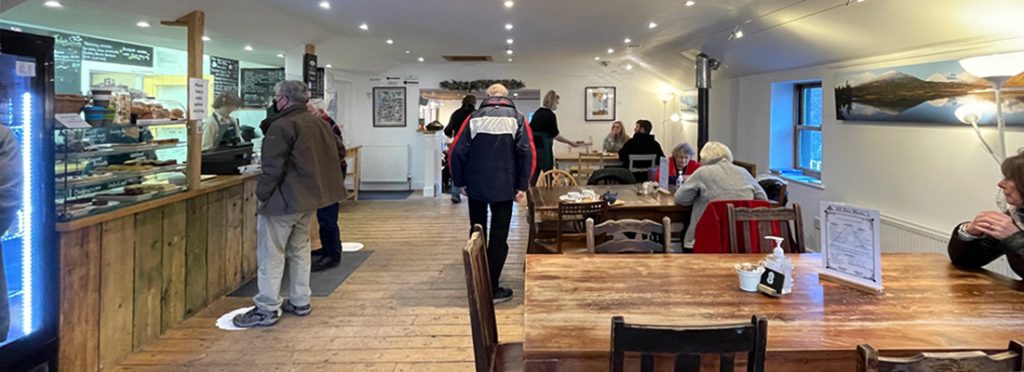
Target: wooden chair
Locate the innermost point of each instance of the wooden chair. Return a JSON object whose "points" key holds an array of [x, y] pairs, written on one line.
{"points": [[643, 159], [555, 178], [541, 225], [489, 354], [587, 164], [643, 233], [688, 343], [612, 176], [750, 167], [572, 222], [868, 360], [756, 223]]}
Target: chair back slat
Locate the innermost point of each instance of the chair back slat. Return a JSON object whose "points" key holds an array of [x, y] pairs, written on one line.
{"points": [[555, 178], [629, 236], [572, 218], [689, 343], [756, 223], [612, 176], [481, 305], [966, 361]]}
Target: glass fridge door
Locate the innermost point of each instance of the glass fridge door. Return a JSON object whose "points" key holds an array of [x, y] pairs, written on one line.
{"points": [[29, 259]]}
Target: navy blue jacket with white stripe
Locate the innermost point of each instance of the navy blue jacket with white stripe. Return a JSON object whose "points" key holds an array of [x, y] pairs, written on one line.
{"points": [[493, 154]]}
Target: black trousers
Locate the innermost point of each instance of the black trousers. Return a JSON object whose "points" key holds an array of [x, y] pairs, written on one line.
{"points": [[497, 241], [330, 234]]}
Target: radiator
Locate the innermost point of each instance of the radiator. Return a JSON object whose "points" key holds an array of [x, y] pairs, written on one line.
{"points": [[385, 163], [904, 236]]}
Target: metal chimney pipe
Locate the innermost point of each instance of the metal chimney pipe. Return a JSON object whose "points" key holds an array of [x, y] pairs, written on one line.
{"points": [[704, 66]]}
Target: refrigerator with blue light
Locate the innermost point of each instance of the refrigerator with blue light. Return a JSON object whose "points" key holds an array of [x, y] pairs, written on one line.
{"points": [[29, 263]]}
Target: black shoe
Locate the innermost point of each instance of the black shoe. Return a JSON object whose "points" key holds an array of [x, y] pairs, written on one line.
{"points": [[502, 294], [456, 199], [324, 263], [288, 307]]}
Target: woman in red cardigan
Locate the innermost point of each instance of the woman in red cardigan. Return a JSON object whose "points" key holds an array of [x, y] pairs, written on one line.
{"points": [[683, 160]]}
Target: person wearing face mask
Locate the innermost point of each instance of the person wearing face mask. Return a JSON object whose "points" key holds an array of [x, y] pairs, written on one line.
{"points": [[545, 132], [993, 234], [222, 129]]}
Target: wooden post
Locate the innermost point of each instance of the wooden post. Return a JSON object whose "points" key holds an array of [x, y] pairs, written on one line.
{"points": [[196, 24]]}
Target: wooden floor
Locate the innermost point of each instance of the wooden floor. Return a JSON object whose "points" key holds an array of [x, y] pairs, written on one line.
{"points": [[405, 309]]}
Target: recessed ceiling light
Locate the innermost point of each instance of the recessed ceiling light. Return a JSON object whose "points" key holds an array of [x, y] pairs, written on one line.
{"points": [[280, 55], [206, 38], [390, 42], [509, 26], [510, 59], [509, 51], [248, 48], [515, 94], [420, 59], [53, 4], [408, 52], [738, 34], [509, 41], [690, 3], [652, 25], [629, 67], [597, 58], [610, 50], [328, 66], [142, 24], [364, 27], [627, 41], [509, 4], [325, 4]]}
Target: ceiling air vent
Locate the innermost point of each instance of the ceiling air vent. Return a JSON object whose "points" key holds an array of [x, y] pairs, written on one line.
{"points": [[468, 58]]}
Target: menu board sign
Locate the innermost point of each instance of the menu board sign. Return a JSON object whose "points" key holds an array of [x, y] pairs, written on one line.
{"points": [[109, 51], [67, 58], [225, 75], [851, 245], [258, 85], [317, 87]]}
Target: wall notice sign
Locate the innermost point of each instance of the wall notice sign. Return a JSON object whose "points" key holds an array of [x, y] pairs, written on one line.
{"points": [[198, 91], [851, 246], [71, 121]]}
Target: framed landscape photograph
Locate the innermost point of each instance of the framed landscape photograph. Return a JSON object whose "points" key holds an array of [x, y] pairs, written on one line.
{"points": [[600, 104], [389, 107]]}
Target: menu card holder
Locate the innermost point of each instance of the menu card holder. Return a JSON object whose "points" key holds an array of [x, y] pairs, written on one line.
{"points": [[851, 247]]}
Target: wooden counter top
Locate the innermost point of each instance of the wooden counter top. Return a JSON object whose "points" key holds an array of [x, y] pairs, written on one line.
{"points": [[209, 186]]}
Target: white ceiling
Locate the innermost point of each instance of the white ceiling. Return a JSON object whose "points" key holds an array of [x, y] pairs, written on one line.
{"points": [[780, 34]]}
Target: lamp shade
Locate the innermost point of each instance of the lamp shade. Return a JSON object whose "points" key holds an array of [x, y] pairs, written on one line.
{"points": [[1008, 64]]}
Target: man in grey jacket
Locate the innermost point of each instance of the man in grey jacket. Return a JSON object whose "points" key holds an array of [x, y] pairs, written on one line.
{"points": [[301, 173]]}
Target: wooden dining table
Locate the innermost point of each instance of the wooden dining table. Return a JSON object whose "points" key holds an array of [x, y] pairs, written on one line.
{"points": [[634, 205], [928, 305], [562, 160]]}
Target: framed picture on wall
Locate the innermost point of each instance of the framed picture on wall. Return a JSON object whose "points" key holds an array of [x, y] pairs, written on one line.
{"points": [[600, 104], [389, 107]]}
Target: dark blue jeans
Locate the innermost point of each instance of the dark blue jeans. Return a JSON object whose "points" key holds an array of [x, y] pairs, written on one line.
{"points": [[330, 234], [497, 241]]}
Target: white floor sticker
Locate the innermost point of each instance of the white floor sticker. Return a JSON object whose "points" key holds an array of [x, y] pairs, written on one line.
{"points": [[225, 322]]}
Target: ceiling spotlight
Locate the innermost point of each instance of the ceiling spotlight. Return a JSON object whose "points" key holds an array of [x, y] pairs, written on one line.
{"points": [[142, 24], [206, 38], [509, 41], [328, 66], [420, 59], [597, 58], [509, 4], [248, 48], [515, 94], [848, 2], [280, 55], [509, 26], [629, 67], [610, 50], [364, 27], [390, 42], [509, 51], [690, 3], [627, 41], [652, 25], [325, 4], [408, 52], [736, 33], [53, 4], [510, 59]]}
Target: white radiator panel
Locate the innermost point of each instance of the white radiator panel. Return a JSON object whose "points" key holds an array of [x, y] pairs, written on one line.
{"points": [[905, 236], [385, 163]]}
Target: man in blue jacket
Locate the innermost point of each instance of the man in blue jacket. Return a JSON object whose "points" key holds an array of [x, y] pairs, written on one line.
{"points": [[493, 159]]}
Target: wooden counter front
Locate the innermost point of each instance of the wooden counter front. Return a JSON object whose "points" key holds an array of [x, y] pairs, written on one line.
{"points": [[928, 306], [130, 274]]}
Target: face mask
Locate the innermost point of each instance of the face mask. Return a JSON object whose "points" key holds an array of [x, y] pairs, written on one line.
{"points": [[273, 107]]}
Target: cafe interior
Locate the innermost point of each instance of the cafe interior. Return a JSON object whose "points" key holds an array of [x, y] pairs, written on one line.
{"points": [[526, 185]]}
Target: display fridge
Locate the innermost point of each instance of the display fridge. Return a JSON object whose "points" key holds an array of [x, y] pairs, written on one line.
{"points": [[29, 279]]}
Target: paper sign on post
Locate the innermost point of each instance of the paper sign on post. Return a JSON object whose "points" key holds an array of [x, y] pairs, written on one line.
{"points": [[198, 91], [851, 246]]}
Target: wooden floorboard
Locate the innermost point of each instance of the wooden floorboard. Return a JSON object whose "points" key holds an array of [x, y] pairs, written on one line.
{"points": [[403, 310]]}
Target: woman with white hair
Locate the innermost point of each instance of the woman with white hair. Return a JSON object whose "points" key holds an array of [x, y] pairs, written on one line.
{"points": [[544, 125], [682, 163], [717, 179]]}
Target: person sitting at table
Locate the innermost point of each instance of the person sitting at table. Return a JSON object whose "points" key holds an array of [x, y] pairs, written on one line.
{"points": [[683, 161], [717, 179], [616, 138], [642, 143], [545, 132], [993, 234]]}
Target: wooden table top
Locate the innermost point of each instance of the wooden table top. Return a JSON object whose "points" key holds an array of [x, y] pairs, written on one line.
{"points": [[928, 304], [547, 198]]}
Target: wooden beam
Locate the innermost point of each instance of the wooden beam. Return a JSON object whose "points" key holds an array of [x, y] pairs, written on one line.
{"points": [[310, 49], [196, 24]]}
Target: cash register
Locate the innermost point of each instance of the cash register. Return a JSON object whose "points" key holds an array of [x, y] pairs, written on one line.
{"points": [[231, 152]]}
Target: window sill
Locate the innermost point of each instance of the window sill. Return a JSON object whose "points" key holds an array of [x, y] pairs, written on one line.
{"points": [[799, 178]]}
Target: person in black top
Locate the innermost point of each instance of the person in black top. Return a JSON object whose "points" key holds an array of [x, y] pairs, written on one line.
{"points": [[642, 143], [454, 124], [545, 132]]}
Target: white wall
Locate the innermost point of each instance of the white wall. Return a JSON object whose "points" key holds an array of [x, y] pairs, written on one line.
{"points": [[932, 175], [638, 93]]}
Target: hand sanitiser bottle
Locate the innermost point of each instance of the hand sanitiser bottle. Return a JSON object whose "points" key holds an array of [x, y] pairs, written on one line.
{"points": [[778, 262]]}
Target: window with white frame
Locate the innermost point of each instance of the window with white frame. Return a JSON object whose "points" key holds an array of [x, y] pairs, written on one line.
{"points": [[807, 133]]}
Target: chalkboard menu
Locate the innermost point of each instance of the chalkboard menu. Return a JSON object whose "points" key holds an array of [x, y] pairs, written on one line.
{"points": [[258, 85], [109, 51], [316, 87], [67, 58], [225, 75]]}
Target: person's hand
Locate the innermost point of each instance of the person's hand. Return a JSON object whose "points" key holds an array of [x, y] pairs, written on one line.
{"points": [[993, 224], [520, 197]]}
